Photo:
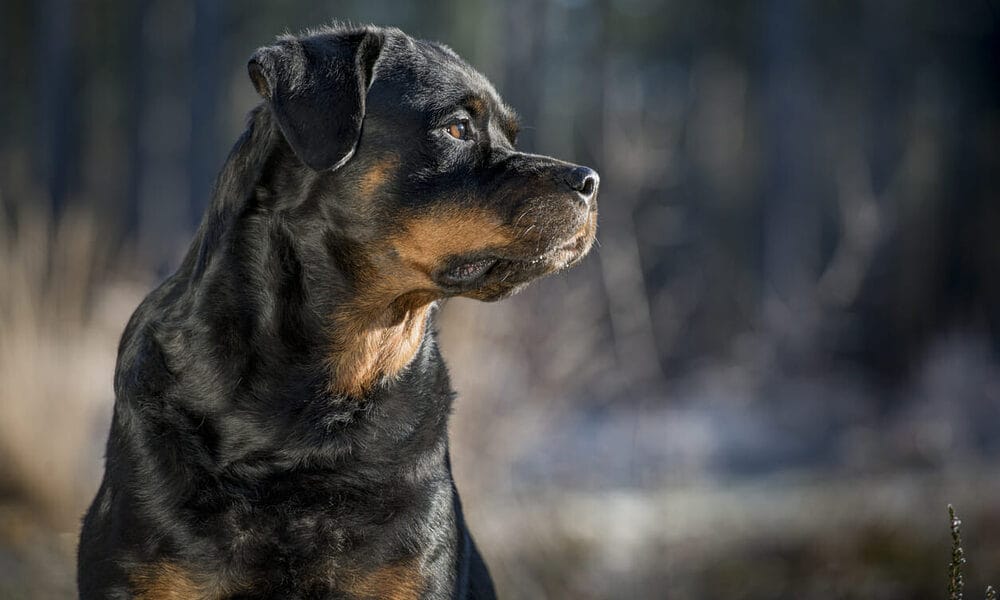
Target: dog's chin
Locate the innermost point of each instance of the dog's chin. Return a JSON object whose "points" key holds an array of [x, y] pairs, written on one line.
{"points": [[507, 276]]}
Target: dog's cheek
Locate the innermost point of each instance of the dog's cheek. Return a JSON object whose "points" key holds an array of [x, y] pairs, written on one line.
{"points": [[427, 240]]}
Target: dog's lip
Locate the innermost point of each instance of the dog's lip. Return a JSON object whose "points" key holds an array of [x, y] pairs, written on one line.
{"points": [[577, 244], [479, 269], [468, 271]]}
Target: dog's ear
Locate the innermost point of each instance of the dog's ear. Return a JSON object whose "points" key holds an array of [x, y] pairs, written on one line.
{"points": [[316, 87]]}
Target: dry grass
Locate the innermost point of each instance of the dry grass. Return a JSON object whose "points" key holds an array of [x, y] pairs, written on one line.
{"points": [[59, 325]]}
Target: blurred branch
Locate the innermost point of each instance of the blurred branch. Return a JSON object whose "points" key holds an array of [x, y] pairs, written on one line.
{"points": [[860, 233], [623, 155]]}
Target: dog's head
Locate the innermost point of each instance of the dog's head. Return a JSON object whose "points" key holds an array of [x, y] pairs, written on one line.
{"points": [[415, 155], [402, 160]]}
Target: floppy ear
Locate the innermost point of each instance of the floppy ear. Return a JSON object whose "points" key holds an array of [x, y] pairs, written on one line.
{"points": [[316, 87]]}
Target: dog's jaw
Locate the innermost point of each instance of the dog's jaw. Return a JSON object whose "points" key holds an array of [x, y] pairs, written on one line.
{"points": [[376, 334]]}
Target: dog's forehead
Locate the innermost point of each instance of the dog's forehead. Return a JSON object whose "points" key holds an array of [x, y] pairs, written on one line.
{"points": [[437, 79]]}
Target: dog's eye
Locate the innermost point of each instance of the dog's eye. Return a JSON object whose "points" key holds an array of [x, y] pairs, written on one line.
{"points": [[459, 130]]}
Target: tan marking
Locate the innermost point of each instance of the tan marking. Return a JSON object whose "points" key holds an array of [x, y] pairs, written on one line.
{"points": [[510, 125], [475, 105], [167, 581], [430, 239], [378, 333], [368, 347], [400, 581], [376, 176]]}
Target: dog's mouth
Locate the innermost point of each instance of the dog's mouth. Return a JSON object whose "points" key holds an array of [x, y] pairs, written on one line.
{"points": [[466, 272], [497, 269]]}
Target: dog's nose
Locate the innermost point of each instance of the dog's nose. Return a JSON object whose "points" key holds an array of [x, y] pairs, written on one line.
{"points": [[583, 181]]}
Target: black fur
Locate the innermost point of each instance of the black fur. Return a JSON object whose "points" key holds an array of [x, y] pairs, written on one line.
{"points": [[233, 465]]}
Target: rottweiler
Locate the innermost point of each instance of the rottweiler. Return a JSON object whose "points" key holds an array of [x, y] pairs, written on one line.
{"points": [[280, 425]]}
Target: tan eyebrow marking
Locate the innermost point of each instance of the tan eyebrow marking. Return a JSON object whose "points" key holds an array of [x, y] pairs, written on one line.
{"points": [[509, 121], [510, 125], [476, 106], [377, 175]]}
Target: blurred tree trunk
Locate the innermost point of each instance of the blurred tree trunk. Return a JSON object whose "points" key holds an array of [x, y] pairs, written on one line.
{"points": [[134, 105], [624, 179], [57, 93], [16, 54], [206, 79], [525, 28], [164, 132], [791, 220]]}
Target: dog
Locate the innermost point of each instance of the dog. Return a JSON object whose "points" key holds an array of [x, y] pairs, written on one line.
{"points": [[281, 414]]}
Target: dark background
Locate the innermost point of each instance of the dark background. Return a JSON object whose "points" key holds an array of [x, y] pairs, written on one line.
{"points": [[767, 381]]}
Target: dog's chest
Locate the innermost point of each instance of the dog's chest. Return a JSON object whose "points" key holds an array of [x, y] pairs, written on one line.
{"points": [[337, 548]]}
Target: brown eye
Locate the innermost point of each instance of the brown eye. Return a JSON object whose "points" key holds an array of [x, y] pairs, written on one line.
{"points": [[459, 130]]}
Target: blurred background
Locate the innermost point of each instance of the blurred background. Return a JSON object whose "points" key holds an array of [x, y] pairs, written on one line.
{"points": [[778, 367]]}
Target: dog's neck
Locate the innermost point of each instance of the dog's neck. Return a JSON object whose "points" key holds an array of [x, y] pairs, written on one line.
{"points": [[259, 314], [370, 347], [371, 331]]}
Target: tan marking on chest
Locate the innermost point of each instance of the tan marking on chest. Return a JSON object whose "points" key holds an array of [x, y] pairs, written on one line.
{"points": [[167, 581], [367, 347], [398, 581]]}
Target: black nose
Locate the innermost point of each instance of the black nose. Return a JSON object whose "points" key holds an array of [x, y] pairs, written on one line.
{"points": [[583, 181]]}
